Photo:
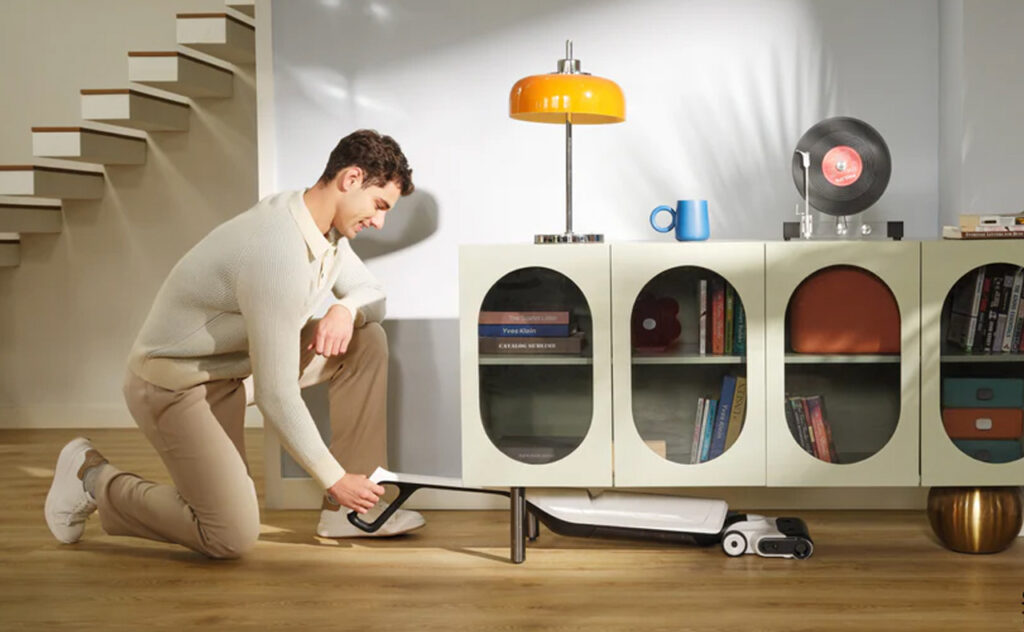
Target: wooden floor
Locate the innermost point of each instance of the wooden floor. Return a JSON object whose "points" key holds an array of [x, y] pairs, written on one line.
{"points": [[870, 571]]}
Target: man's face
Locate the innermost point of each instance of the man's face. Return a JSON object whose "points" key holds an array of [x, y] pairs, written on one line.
{"points": [[359, 208]]}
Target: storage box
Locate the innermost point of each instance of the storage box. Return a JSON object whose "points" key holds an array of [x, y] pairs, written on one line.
{"points": [[994, 451], [973, 392], [983, 423], [844, 310]]}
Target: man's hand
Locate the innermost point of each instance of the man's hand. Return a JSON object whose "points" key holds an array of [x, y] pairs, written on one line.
{"points": [[333, 332], [356, 492]]}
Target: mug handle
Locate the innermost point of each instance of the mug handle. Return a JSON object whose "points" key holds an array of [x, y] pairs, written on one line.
{"points": [[671, 225]]}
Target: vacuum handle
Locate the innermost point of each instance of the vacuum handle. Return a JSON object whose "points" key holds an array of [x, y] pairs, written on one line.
{"points": [[405, 490]]}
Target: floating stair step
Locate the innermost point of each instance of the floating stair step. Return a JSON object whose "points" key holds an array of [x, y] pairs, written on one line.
{"points": [[131, 108], [30, 218], [218, 34], [10, 252], [181, 74], [88, 145], [248, 8], [51, 182]]}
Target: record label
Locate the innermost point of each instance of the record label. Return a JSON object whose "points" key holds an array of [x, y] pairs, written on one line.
{"points": [[842, 166]]}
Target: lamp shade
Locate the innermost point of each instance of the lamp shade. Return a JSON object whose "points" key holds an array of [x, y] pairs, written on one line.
{"points": [[560, 97]]}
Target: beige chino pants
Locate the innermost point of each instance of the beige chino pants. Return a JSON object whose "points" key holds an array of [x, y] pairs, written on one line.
{"points": [[198, 432]]}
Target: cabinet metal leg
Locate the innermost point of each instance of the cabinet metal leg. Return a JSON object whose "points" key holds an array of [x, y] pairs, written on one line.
{"points": [[518, 498], [532, 526]]}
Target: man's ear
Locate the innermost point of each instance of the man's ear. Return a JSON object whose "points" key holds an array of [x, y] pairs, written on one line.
{"points": [[349, 178]]}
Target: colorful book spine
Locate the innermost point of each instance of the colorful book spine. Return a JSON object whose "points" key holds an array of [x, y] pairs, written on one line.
{"points": [[729, 317], [524, 331], [823, 447], [524, 318], [738, 413], [702, 317], [1018, 332], [1013, 311], [698, 431], [740, 337], [709, 426], [804, 436], [717, 317], [722, 417]]}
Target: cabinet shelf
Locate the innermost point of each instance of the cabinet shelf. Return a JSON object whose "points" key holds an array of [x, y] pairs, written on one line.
{"points": [[547, 360], [860, 358], [970, 358], [688, 359]]}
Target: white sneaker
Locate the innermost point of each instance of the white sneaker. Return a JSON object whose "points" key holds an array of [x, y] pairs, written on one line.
{"points": [[334, 524], [67, 503]]}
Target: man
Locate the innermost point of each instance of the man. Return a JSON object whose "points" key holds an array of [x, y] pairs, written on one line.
{"points": [[239, 304]]}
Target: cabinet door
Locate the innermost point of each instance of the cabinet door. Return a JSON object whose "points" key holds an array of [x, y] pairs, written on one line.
{"points": [[972, 391], [536, 373], [667, 431], [843, 363]]}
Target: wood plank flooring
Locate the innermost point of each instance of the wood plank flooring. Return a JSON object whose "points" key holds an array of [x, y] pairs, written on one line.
{"points": [[870, 571]]}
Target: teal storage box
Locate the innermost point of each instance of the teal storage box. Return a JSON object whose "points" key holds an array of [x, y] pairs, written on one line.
{"points": [[990, 450], [982, 392]]}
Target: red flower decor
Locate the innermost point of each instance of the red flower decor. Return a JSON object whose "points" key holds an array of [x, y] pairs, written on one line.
{"points": [[654, 324]]}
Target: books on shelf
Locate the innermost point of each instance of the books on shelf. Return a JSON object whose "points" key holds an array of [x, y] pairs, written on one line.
{"points": [[529, 332], [718, 422], [808, 422], [976, 222], [498, 344], [986, 311], [721, 321], [1002, 232]]}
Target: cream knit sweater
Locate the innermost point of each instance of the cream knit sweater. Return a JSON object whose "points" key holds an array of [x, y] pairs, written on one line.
{"points": [[235, 304]]}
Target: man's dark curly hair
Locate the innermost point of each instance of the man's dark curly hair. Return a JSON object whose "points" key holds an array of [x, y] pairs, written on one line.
{"points": [[380, 158]]}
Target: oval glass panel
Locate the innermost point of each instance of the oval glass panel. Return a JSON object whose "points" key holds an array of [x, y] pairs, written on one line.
{"points": [[536, 367], [982, 363], [843, 385], [688, 341]]}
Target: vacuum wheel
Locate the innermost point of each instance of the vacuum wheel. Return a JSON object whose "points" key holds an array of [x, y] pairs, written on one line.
{"points": [[734, 543]]}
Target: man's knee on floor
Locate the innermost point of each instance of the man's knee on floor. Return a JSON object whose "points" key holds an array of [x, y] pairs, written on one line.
{"points": [[231, 541]]}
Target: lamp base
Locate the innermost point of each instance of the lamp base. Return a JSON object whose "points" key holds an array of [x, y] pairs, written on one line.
{"points": [[568, 238]]}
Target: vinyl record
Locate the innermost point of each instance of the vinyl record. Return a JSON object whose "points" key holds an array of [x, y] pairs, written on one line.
{"points": [[850, 165]]}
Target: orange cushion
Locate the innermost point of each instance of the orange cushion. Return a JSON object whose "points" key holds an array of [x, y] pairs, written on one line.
{"points": [[844, 310]]}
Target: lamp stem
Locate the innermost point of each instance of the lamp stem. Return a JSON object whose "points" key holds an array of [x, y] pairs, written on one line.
{"points": [[568, 176]]}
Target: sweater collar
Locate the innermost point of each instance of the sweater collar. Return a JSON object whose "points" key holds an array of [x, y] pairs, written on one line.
{"points": [[317, 243]]}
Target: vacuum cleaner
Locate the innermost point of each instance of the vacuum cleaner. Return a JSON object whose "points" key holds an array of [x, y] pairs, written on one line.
{"points": [[579, 513]]}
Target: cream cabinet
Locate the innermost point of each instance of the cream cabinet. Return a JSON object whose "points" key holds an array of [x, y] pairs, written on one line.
{"points": [[535, 419], [870, 399], [983, 386], [660, 382], [622, 410]]}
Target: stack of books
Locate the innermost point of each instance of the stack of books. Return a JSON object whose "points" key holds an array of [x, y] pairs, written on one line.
{"points": [[809, 425], [541, 332], [987, 310], [986, 227], [719, 421], [722, 322]]}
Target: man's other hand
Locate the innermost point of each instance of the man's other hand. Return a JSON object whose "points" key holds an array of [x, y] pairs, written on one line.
{"points": [[333, 332], [356, 492]]}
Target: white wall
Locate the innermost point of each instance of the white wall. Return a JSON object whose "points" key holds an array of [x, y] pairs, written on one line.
{"points": [[717, 93], [993, 99], [70, 311]]}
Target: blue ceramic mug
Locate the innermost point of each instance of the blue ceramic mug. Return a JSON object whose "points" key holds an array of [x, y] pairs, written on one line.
{"points": [[689, 219]]}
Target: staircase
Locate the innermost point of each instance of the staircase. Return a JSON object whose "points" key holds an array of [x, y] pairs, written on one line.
{"points": [[159, 95]]}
